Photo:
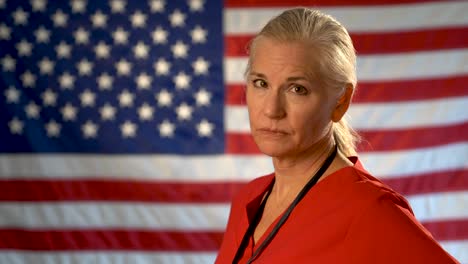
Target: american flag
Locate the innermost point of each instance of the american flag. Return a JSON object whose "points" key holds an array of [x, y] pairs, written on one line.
{"points": [[124, 131]]}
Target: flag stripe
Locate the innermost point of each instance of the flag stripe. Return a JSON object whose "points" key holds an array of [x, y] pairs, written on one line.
{"points": [[196, 193], [382, 43], [227, 168], [385, 91], [125, 215], [107, 239], [374, 140], [448, 230], [402, 66], [279, 3], [136, 191], [163, 216], [382, 116], [247, 21], [151, 240], [109, 257]]}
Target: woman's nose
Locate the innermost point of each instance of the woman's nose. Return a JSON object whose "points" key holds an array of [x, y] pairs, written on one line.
{"points": [[273, 106]]}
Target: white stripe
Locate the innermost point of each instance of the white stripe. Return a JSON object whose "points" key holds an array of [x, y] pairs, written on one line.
{"points": [[215, 168], [113, 215], [109, 257], [439, 206], [458, 249], [392, 164], [361, 19], [412, 65], [76, 215], [379, 116]]}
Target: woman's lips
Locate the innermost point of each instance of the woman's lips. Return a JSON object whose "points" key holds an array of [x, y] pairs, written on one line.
{"points": [[271, 132]]}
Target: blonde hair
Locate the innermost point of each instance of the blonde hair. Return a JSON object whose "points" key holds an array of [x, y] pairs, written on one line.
{"points": [[337, 57]]}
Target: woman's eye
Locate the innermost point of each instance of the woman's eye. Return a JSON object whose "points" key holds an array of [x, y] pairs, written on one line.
{"points": [[298, 89], [260, 83]]}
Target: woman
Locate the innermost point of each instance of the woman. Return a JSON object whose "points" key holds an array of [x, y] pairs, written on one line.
{"points": [[319, 205]]}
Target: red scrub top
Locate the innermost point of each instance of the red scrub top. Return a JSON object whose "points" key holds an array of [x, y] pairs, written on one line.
{"points": [[348, 217]]}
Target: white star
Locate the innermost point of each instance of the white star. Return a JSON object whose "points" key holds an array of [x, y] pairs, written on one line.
{"points": [[38, 5], [141, 50], [32, 110], [69, 112], [159, 35], [42, 35], [87, 98], [200, 66], [157, 6], [89, 129], [20, 17], [24, 48], [128, 129], [60, 18], [182, 80], [81, 36], [49, 98], [98, 19], [53, 128], [196, 5], [145, 112], [85, 67], [105, 81], [102, 50], [120, 36], [16, 126], [164, 98], [179, 49], [12, 95], [46, 66], [117, 6], [166, 129], [161, 67], [78, 6], [202, 97], [205, 128], [2, 4], [143, 81], [123, 67], [138, 19], [63, 50], [198, 35], [125, 99], [107, 112], [8, 63], [184, 111], [177, 18], [66, 81], [28, 79], [5, 32]]}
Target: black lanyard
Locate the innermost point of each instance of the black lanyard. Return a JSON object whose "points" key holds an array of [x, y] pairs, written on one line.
{"points": [[253, 224]]}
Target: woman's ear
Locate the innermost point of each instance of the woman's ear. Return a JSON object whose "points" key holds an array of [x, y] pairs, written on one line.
{"points": [[343, 103]]}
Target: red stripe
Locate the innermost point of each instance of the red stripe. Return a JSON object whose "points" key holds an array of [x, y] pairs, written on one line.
{"points": [[381, 42], [109, 240], [435, 182], [158, 240], [282, 3], [385, 91], [377, 140], [410, 138], [448, 230], [129, 191]]}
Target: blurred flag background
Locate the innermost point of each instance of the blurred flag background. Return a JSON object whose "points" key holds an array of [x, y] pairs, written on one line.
{"points": [[124, 131]]}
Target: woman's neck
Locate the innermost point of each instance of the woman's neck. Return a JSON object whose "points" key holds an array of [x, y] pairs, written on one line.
{"points": [[292, 173]]}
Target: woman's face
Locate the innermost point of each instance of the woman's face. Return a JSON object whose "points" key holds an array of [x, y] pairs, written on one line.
{"points": [[289, 111]]}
